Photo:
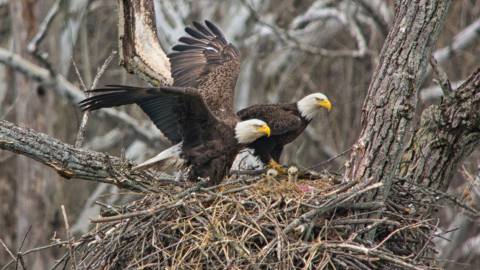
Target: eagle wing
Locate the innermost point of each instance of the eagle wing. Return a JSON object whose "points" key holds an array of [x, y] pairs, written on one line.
{"points": [[207, 61], [185, 117], [280, 121]]}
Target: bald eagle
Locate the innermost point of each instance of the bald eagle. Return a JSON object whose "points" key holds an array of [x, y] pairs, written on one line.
{"points": [[287, 122], [196, 114]]}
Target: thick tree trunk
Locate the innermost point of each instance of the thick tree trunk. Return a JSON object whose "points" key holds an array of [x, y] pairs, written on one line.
{"points": [[391, 101]]}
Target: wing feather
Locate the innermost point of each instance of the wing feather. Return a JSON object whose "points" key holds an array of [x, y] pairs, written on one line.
{"points": [[160, 108], [207, 61], [179, 113]]}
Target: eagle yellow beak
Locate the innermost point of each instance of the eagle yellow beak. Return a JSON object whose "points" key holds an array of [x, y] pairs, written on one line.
{"points": [[325, 104], [265, 129]]}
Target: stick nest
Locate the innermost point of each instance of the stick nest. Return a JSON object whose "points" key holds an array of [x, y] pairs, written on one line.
{"points": [[260, 223]]}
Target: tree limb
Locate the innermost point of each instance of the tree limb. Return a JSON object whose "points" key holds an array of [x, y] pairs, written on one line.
{"points": [[75, 95], [70, 162], [448, 133]]}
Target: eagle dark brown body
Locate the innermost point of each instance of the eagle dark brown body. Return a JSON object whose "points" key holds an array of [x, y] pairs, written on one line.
{"points": [[196, 113], [286, 124]]}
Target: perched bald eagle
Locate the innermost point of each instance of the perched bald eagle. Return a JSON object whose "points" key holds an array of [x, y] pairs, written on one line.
{"points": [[287, 122], [196, 113]]}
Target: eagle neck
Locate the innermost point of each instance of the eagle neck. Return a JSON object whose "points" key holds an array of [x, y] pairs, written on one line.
{"points": [[306, 110]]}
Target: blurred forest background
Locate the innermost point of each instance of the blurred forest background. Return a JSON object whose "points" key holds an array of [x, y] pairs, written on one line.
{"points": [[289, 49]]}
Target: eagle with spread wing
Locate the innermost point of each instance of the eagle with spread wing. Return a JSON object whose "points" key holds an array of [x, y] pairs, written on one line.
{"points": [[287, 121], [196, 114]]}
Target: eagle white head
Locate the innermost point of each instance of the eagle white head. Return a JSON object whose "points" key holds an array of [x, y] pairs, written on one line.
{"points": [[249, 130], [311, 104]]}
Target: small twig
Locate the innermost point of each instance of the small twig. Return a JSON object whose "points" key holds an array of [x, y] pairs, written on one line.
{"points": [[397, 230], [32, 46], [330, 159], [292, 42], [375, 224], [60, 261], [8, 250], [70, 245], [83, 125], [41, 248], [148, 212], [368, 251], [439, 194], [79, 76], [248, 172], [19, 252], [442, 78], [328, 206]]}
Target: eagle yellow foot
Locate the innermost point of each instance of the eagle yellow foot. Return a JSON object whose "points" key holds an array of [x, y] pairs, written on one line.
{"points": [[272, 164]]}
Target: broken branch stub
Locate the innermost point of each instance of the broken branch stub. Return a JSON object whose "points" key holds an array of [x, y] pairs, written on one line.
{"points": [[140, 50]]}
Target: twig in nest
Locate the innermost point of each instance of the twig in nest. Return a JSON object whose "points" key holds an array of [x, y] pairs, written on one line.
{"points": [[397, 230], [330, 159], [328, 206], [148, 212], [248, 172], [375, 224], [67, 230]]}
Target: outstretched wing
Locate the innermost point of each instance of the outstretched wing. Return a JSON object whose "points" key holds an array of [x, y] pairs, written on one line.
{"points": [[280, 121], [177, 111], [207, 61]]}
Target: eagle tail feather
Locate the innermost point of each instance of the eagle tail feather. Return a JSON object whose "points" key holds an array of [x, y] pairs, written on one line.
{"points": [[168, 159]]}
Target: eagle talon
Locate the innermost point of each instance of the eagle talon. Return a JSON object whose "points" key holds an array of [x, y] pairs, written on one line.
{"points": [[278, 167]]}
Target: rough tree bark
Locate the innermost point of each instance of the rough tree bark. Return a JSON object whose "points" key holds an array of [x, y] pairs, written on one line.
{"points": [[140, 50], [447, 134], [391, 101], [70, 162]]}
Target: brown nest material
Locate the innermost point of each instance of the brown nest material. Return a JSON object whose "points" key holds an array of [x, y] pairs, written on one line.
{"points": [[258, 224]]}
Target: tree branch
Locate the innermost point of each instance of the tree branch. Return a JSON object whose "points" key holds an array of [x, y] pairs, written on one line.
{"points": [[70, 162], [75, 95], [448, 133]]}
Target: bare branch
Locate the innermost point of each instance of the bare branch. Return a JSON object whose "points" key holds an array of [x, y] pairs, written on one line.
{"points": [[461, 41], [70, 162], [435, 91], [75, 95], [442, 78], [288, 37], [83, 124], [43, 28]]}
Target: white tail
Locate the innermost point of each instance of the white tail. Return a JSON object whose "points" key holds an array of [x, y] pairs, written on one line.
{"points": [[168, 159]]}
